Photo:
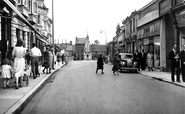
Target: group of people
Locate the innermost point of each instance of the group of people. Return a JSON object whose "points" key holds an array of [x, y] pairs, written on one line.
{"points": [[177, 59], [144, 60], [21, 59], [17, 65]]}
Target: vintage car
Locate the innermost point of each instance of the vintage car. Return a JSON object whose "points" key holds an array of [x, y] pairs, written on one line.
{"points": [[127, 62]]}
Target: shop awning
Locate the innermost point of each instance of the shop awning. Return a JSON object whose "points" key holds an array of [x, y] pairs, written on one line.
{"points": [[22, 18]]}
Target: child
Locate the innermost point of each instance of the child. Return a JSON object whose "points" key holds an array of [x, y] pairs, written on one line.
{"points": [[6, 73]]}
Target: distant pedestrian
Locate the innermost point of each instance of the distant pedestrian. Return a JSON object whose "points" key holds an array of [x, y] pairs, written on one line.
{"points": [[19, 53], [35, 55], [174, 57], [100, 64], [137, 59], [150, 61], [143, 59], [6, 73], [182, 57], [46, 61], [116, 63]]}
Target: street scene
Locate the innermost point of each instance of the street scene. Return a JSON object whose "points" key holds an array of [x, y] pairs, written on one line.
{"points": [[92, 57], [77, 89]]}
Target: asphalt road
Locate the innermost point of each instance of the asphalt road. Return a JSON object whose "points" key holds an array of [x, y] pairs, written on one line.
{"points": [[77, 89]]}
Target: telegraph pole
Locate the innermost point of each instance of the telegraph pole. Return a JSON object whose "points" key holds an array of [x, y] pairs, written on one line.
{"points": [[53, 24]]}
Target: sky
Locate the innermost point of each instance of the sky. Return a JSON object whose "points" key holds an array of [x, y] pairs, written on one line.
{"points": [[77, 18]]}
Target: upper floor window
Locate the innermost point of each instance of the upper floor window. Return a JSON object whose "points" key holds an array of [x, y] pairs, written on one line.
{"points": [[19, 2], [29, 6], [134, 25], [24, 2], [35, 8]]}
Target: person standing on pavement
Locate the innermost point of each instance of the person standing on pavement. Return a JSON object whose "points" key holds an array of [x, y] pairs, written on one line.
{"points": [[137, 59], [100, 64], [143, 59], [182, 58], [35, 54], [19, 53], [150, 61], [174, 57], [6, 73]]}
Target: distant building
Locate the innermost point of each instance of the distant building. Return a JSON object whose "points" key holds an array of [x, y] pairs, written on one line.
{"points": [[96, 50], [82, 49]]}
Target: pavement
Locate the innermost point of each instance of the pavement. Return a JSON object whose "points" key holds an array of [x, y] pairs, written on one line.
{"points": [[12, 100]]}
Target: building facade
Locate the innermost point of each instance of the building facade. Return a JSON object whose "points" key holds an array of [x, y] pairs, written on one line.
{"points": [[82, 49]]}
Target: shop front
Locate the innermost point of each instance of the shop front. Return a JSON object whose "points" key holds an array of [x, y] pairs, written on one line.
{"points": [[149, 40]]}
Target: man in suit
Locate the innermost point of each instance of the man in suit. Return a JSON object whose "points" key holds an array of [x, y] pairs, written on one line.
{"points": [[143, 59], [182, 58], [137, 59], [174, 57]]}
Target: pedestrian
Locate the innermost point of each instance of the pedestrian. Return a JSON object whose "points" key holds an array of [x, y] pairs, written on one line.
{"points": [[59, 57], [35, 55], [50, 60], [143, 59], [100, 64], [116, 63], [19, 53], [46, 61], [6, 72], [53, 58], [63, 59], [182, 58], [150, 61], [27, 57], [174, 57], [137, 59]]}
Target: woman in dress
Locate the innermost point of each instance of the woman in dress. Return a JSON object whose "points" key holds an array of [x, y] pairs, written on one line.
{"points": [[150, 61], [19, 53]]}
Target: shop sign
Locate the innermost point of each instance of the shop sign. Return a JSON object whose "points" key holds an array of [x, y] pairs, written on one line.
{"points": [[180, 18], [164, 6]]}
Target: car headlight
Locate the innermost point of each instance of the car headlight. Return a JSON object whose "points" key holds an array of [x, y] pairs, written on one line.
{"points": [[123, 63]]}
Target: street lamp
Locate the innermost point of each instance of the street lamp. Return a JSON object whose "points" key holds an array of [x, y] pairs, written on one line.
{"points": [[105, 36], [53, 23]]}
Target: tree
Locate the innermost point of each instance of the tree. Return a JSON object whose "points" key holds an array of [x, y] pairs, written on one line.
{"points": [[96, 42]]}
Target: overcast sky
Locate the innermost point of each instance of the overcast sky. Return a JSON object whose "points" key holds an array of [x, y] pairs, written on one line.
{"points": [[76, 18]]}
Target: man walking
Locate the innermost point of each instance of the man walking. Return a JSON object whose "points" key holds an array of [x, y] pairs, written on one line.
{"points": [[35, 54], [182, 57], [174, 57]]}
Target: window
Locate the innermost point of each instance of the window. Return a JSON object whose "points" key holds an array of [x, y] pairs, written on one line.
{"points": [[35, 8], [29, 6], [134, 25], [38, 19], [24, 2], [19, 2]]}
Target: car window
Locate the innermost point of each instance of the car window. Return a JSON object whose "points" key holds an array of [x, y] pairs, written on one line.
{"points": [[128, 56]]}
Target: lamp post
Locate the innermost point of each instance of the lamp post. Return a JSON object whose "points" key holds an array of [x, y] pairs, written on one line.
{"points": [[53, 23], [105, 36]]}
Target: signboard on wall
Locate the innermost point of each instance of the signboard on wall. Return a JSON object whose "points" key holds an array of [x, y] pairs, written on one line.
{"points": [[164, 7]]}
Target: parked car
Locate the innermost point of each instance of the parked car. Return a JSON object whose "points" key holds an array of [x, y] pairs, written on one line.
{"points": [[127, 62]]}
